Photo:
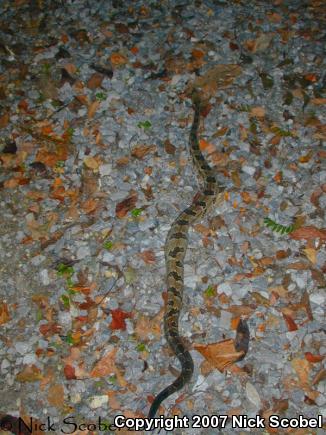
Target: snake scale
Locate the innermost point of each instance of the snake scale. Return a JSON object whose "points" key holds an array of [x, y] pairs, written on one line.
{"points": [[175, 250]]}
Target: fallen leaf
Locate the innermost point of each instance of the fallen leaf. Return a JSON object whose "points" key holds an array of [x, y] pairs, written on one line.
{"points": [[118, 319], [313, 358], [311, 254], [92, 108], [308, 233], [69, 372], [141, 151], [30, 373], [290, 322], [4, 120], [259, 112], [148, 256], [106, 366], [90, 205], [123, 207], [4, 313], [95, 81], [118, 59], [56, 396], [220, 355]]}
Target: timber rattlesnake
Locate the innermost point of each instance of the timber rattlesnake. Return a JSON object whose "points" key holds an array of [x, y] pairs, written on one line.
{"points": [[175, 250]]}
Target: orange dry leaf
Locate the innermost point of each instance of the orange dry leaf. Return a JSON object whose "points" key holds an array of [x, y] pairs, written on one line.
{"points": [[278, 177], [308, 233], [134, 50], [306, 158], [318, 101], [118, 59], [141, 151], [29, 374], [206, 146], [106, 366], [221, 355], [4, 313], [313, 358], [197, 54], [302, 369], [148, 257], [126, 205]]}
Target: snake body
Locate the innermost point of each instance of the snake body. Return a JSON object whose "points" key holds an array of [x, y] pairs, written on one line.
{"points": [[175, 250]]}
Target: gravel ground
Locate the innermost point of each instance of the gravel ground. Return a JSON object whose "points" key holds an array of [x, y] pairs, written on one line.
{"points": [[95, 167]]}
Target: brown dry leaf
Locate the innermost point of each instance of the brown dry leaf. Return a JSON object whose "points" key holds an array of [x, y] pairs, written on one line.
{"points": [[4, 313], [122, 161], [235, 177], [113, 400], [70, 68], [175, 64], [95, 81], [126, 205], [202, 229], [90, 205], [4, 120], [259, 112], [92, 108], [292, 326], [302, 369], [318, 101], [148, 256], [146, 325], [308, 233], [311, 254], [320, 376], [118, 59], [218, 77], [141, 151], [221, 355], [91, 162], [56, 396], [30, 373]]}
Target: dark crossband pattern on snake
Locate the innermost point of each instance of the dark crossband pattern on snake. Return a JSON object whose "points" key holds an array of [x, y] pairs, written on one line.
{"points": [[175, 250]]}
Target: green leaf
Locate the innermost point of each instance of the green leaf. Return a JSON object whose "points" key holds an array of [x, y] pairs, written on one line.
{"points": [[64, 270], [39, 315], [136, 212], [144, 124], [108, 244], [278, 227], [100, 96], [210, 291], [112, 379], [66, 301], [68, 339], [140, 347]]}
